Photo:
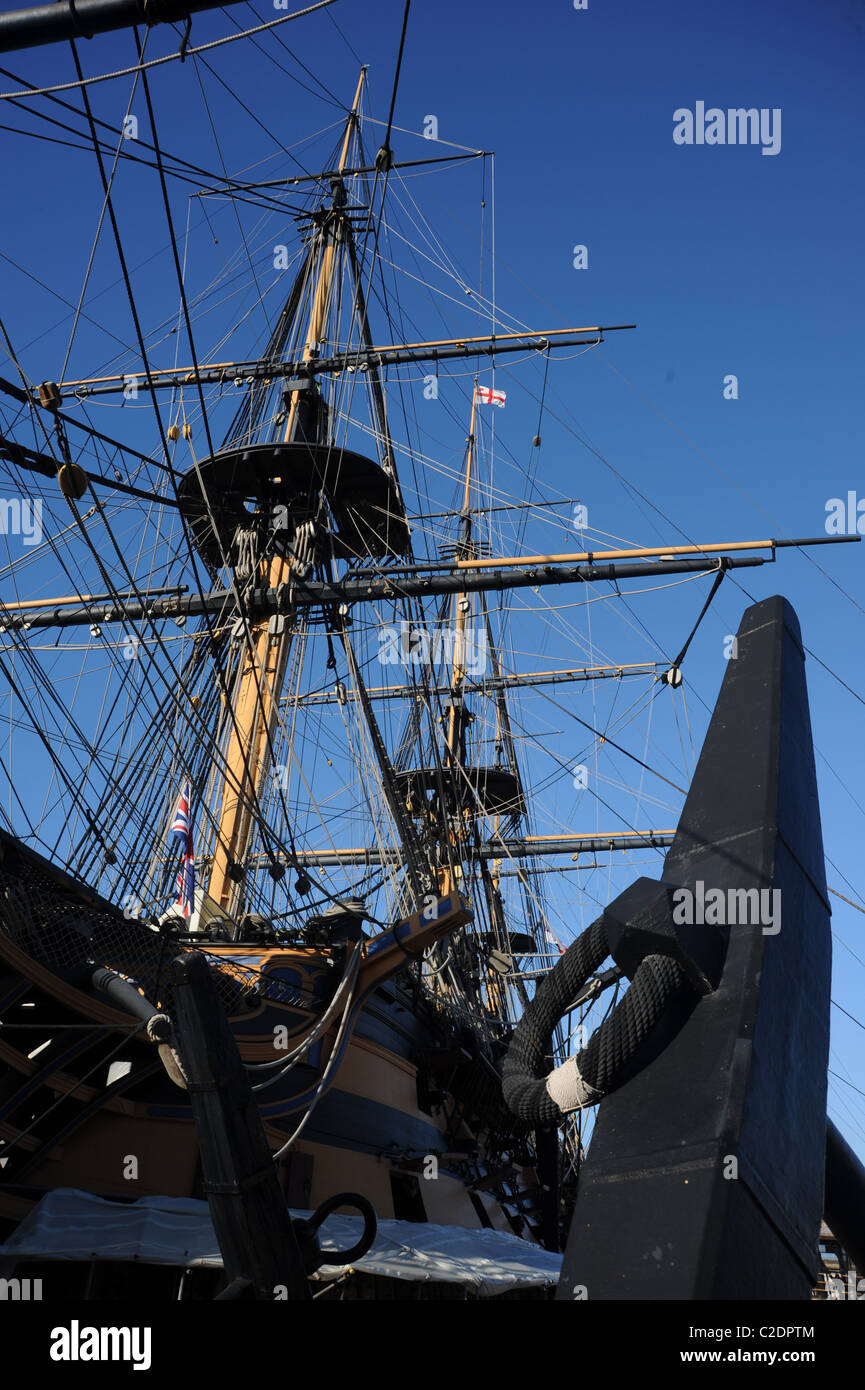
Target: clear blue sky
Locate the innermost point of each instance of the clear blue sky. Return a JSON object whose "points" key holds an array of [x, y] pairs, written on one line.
{"points": [[728, 260]]}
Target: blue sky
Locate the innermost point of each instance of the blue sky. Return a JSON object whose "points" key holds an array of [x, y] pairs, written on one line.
{"points": [[729, 262]]}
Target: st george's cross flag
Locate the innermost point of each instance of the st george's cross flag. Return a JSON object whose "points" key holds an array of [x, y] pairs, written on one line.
{"points": [[485, 395], [181, 829], [551, 939]]}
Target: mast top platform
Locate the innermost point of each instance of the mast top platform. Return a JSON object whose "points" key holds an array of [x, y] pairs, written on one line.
{"points": [[228, 489]]}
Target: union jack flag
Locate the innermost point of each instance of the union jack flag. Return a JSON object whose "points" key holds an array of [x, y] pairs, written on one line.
{"points": [[485, 395], [181, 829]]}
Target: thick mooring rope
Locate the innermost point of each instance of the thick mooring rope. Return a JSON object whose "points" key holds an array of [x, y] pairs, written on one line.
{"points": [[599, 1068]]}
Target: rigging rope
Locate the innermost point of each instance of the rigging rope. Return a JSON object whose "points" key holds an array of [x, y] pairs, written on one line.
{"points": [[286, 1064], [169, 57]]}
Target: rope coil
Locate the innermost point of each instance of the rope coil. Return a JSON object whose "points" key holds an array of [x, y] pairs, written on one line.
{"points": [[541, 1097]]}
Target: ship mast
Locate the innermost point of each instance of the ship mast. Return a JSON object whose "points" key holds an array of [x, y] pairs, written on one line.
{"points": [[263, 670], [461, 775], [456, 722]]}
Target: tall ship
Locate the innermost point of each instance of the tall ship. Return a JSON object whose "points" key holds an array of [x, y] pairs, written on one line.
{"points": [[310, 674]]}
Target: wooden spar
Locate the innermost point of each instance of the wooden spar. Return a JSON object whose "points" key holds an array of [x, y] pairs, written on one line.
{"points": [[82, 19], [365, 588], [519, 847], [209, 371], [583, 556], [315, 593], [493, 338], [487, 683], [292, 180], [497, 848], [257, 709], [25, 604]]}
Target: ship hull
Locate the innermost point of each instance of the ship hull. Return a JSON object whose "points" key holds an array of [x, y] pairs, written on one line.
{"points": [[85, 1101]]}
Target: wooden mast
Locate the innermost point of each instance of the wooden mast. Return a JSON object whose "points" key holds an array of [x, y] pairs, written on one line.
{"points": [[458, 671], [455, 723], [457, 720], [263, 671]]}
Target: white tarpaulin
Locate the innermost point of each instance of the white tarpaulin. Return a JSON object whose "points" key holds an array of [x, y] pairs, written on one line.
{"points": [[72, 1225]]}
